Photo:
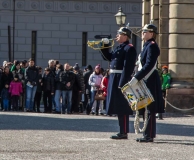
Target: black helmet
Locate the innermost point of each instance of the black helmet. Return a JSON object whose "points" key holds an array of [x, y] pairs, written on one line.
{"points": [[124, 30], [149, 28]]}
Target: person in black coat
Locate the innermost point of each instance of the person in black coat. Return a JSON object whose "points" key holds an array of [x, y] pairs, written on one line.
{"points": [[58, 90], [147, 71], [38, 94], [122, 62], [67, 79], [6, 78], [48, 89], [87, 93], [31, 78]]}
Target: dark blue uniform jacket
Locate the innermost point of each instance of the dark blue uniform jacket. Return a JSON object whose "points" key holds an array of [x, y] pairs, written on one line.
{"points": [[149, 57], [122, 58]]}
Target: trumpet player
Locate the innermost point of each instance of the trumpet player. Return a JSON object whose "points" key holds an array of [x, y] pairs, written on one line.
{"points": [[122, 62]]}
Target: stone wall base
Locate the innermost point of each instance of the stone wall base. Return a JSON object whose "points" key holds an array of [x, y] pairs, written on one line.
{"points": [[182, 98]]}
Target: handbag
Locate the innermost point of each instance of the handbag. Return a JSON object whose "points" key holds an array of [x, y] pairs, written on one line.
{"points": [[99, 95]]}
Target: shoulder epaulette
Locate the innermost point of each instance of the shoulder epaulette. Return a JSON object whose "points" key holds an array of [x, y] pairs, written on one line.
{"points": [[152, 42], [130, 45]]}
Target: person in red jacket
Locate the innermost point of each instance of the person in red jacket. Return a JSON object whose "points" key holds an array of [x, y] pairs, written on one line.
{"points": [[15, 89], [104, 83]]}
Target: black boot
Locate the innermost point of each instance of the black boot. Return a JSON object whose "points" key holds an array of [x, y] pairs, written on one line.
{"points": [[145, 139], [119, 136]]}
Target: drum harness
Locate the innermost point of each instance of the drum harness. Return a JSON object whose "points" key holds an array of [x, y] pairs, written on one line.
{"points": [[136, 120]]}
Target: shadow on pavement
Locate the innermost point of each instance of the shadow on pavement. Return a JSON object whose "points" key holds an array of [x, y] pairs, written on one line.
{"points": [[90, 124], [182, 142], [24, 122]]}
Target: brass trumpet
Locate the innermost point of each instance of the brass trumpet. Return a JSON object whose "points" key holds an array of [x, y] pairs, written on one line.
{"points": [[96, 45]]}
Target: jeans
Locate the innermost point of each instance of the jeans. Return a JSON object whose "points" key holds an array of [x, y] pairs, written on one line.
{"points": [[67, 96], [6, 104], [30, 94], [57, 100], [93, 93], [100, 107]]}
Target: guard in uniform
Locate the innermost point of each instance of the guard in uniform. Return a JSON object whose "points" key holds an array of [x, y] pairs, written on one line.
{"points": [[122, 63], [147, 70]]}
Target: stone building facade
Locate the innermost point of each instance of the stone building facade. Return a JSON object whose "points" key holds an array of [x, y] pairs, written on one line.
{"points": [[59, 29], [175, 19]]}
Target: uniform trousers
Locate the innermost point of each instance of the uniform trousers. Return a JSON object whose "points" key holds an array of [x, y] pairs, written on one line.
{"points": [[150, 131], [124, 123]]}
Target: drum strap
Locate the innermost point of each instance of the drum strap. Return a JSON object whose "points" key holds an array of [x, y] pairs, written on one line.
{"points": [[140, 67]]}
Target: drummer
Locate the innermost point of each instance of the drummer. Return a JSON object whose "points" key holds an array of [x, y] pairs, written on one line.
{"points": [[122, 63], [147, 70]]}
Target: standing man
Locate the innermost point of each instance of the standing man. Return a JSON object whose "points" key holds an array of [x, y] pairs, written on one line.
{"points": [[122, 63], [67, 78], [87, 94], [147, 71], [31, 78]]}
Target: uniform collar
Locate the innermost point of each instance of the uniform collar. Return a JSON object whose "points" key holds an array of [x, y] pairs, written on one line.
{"points": [[148, 41], [124, 43]]}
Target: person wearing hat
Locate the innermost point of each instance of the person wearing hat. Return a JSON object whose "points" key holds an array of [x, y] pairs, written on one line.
{"points": [[147, 62], [165, 78], [94, 81], [87, 94], [122, 63], [78, 89]]}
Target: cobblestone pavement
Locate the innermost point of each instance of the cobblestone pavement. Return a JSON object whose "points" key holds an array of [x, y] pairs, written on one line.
{"points": [[32, 136]]}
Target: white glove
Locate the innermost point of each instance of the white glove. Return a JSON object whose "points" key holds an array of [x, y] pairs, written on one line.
{"points": [[133, 81], [105, 40]]}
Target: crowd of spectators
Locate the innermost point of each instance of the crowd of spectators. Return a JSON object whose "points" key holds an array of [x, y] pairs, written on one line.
{"points": [[60, 88]]}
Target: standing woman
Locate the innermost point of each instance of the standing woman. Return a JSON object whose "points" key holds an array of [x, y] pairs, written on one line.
{"points": [[147, 71], [94, 81]]}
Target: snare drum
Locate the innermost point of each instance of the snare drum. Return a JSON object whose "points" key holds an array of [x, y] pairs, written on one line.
{"points": [[138, 96]]}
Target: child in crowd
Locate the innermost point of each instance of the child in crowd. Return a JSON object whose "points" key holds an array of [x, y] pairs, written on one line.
{"points": [[15, 90], [5, 97], [104, 85], [165, 79]]}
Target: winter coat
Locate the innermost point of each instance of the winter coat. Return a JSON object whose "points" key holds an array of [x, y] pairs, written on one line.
{"points": [[94, 80], [123, 57], [15, 88], [148, 60], [104, 85], [6, 79], [31, 75], [166, 81], [65, 77], [5, 93], [86, 76], [81, 80], [20, 73], [57, 80], [39, 86], [77, 85], [48, 82]]}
